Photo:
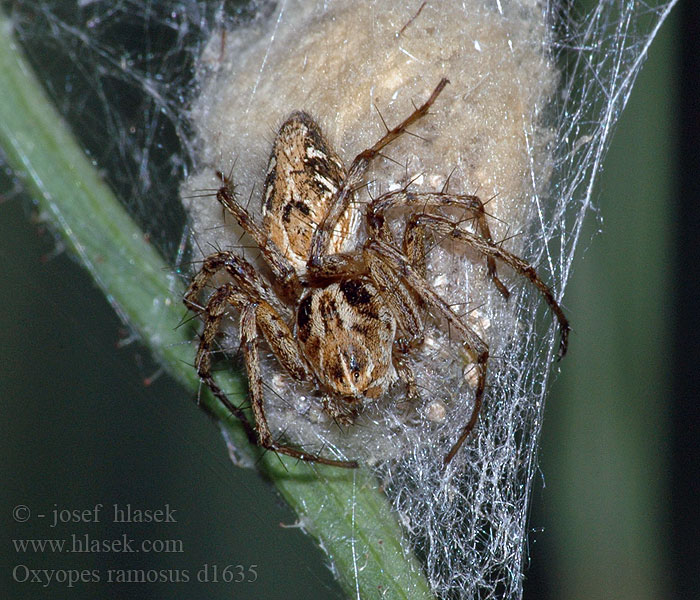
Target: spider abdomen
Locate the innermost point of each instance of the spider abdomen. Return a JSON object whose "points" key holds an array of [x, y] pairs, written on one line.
{"points": [[303, 176]]}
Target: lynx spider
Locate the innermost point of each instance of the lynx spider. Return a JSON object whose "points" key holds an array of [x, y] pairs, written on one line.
{"points": [[358, 311]]}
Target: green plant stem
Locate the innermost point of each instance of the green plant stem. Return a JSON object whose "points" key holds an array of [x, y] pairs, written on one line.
{"points": [[343, 509]]}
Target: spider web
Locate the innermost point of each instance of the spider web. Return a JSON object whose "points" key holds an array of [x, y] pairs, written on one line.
{"points": [[123, 71]]}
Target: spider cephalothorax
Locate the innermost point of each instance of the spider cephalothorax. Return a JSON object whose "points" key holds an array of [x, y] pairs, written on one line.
{"points": [[358, 306]]}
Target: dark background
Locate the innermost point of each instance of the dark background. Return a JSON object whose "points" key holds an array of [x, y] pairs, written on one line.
{"points": [[618, 515]]}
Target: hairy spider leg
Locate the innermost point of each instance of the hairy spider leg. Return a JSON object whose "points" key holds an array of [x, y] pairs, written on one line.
{"points": [[406, 313], [282, 270], [379, 250], [322, 235], [272, 327], [414, 240], [448, 228], [239, 269], [255, 313]]}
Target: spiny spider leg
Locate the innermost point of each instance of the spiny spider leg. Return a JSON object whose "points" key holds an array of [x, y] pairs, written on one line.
{"points": [[448, 228], [249, 342], [240, 270], [255, 313], [215, 309], [378, 250], [282, 269], [413, 241], [406, 313], [402, 305], [322, 235]]}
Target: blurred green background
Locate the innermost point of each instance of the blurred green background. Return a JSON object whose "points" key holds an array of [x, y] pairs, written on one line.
{"points": [[81, 428], [605, 511]]}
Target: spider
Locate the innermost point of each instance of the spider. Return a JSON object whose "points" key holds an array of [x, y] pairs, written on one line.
{"points": [[357, 311]]}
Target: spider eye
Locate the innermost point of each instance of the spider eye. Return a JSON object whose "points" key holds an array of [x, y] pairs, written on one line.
{"points": [[356, 375]]}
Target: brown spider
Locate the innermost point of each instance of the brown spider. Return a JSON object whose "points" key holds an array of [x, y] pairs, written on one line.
{"points": [[358, 312]]}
